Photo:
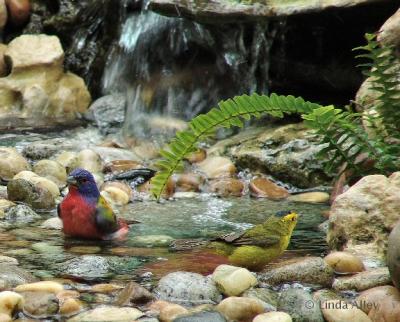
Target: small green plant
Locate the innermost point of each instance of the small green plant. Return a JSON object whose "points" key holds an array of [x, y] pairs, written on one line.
{"points": [[341, 130]]}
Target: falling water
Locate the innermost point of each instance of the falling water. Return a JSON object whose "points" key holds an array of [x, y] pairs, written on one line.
{"points": [[177, 68]]}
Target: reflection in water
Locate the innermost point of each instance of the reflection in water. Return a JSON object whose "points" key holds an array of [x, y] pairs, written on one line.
{"points": [[45, 251]]}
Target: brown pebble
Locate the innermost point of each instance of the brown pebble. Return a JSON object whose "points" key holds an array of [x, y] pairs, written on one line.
{"points": [[227, 187], [133, 293], [19, 11], [198, 156], [264, 188], [189, 182], [344, 263], [70, 306]]}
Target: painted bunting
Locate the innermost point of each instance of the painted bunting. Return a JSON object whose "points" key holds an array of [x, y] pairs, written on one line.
{"points": [[254, 247], [260, 244], [85, 213]]}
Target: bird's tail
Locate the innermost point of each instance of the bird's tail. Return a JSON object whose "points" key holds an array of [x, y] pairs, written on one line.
{"points": [[120, 234]]}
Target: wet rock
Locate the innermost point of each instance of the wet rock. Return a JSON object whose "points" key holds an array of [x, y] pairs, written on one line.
{"points": [[233, 281], [42, 286], [373, 297], [108, 314], [51, 170], [224, 12], [216, 167], [19, 11], [39, 181], [87, 267], [310, 197], [5, 205], [3, 15], [3, 48], [300, 305], [70, 306], [264, 294], [115, 195], [67, 294], [52, 223], [364, 214], [5, 317], [289, 153], [393, 255], [40, 150], [198, 156], [203, 316], [105, 288], [389, 32], [325, 295], [168, 190], [87, 159], [382, 307], [85, 249], [20, 215], [112, 154], [167, 312], [188, 288], [35, 196], [151, 241], [304, 270], [67, 159], [240, 308], [8, 260], [364, 280], [133, 293], [189, 182], [10, 302], [38, 79], [117, 184], [338, 310], [344, 263], [186, 195], [40, 304], [108, 112], [273, 317], [47, 249], [118, 166], [11, 163], [264, 188], [227, 187]]}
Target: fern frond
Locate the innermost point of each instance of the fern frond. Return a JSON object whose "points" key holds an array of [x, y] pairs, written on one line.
{"points": [[384, 74], [231, 112]]}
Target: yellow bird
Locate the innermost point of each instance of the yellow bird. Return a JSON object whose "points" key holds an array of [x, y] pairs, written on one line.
{"points": [[257, 246]]}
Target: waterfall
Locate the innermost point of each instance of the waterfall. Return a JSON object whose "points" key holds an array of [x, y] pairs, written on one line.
{"points": [[177, 68]]}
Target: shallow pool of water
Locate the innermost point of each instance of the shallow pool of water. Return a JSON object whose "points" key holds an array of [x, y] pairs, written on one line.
{"points": [[47, 252]]}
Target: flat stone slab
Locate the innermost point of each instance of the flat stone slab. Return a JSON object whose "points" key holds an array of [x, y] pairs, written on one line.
{"points": [[217, 11]]}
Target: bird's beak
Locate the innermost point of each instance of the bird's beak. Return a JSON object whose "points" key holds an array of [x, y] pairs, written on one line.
{"points": [[72, 181]]}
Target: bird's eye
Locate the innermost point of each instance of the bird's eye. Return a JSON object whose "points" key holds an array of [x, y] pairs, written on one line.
{"points": [[83, 180]]}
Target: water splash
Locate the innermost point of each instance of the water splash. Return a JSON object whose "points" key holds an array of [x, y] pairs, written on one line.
{"points": [[215, 211], [178, 68]]}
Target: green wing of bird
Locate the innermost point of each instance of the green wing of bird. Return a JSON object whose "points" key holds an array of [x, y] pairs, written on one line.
{"points": [[105, 219], [263, 235]]}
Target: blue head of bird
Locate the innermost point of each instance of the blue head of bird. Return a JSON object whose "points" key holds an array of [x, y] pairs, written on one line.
{"points": [[84, 182]]}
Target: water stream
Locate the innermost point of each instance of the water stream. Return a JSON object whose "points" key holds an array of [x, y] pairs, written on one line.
{"points": [[178, 68]]}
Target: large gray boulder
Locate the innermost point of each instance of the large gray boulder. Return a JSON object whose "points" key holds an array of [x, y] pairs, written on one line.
{"points": [[363, 216], [288, 153]]}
